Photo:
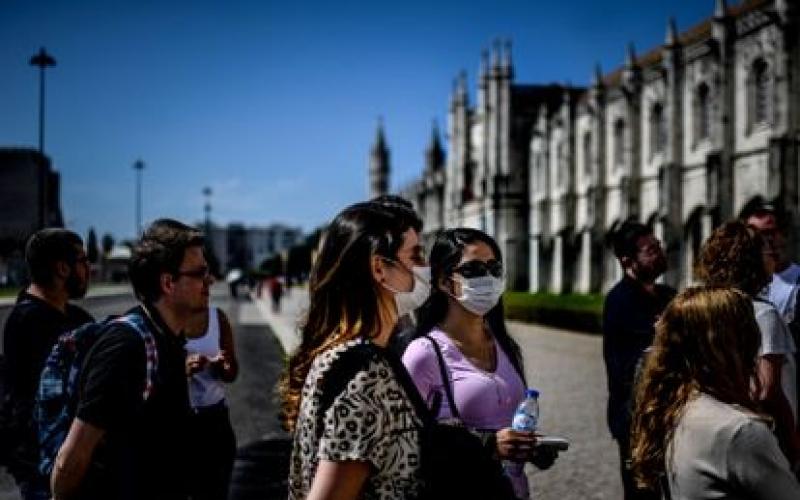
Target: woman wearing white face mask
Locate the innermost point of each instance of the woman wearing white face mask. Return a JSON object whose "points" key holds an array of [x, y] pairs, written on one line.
{"points": [[355, 422], [463, 321]]}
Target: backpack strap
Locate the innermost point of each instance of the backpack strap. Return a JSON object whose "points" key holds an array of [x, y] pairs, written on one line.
{"points": [[445, 377], [136, 322]]}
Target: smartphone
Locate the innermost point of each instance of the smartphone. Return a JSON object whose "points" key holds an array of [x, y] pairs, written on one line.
{"points": [[556, 442]]}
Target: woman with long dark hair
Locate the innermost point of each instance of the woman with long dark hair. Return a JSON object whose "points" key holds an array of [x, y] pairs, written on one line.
{"points": [[463, 321], [356, 432], [698, 431]]}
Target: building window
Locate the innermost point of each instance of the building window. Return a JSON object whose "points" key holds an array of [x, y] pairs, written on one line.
{"points": [[760, 92], [467, 194], [619, 143], [541, 168], [703, 113], [658, 130], [587, 154], [561, 163]]}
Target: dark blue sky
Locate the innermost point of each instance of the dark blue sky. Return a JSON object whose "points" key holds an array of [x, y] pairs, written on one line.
{"points": [[273, 104]]}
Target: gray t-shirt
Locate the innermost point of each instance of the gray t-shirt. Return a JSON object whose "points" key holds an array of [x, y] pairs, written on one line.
{"points": [[724, 452]]}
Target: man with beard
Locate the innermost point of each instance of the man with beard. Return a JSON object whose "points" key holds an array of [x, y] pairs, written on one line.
{"points": [[59, 272], [629, 315], [129, 438]]}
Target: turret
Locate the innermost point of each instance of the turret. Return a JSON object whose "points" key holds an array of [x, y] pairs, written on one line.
{"points": [[379, 168], [434, 154], [671, 39]]}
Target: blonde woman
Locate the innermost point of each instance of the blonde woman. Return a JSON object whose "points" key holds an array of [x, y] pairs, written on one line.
{"points": [[697, 431]]}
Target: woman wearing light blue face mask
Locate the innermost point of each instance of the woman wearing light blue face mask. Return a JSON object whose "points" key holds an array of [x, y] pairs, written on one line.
{"points": [[463, 320]]}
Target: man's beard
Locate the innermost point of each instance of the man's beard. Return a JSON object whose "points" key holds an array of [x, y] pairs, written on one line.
{"points": [[76, 289], [651, 273]]}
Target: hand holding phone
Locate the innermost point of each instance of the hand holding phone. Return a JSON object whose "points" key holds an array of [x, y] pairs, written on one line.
{"points": [[555, 442]]}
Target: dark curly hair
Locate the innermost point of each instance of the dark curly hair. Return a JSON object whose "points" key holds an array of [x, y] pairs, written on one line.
{"points": [[733, 256]]}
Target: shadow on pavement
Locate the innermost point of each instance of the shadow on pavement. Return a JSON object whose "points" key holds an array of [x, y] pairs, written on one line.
{"points": [[261, 470]]}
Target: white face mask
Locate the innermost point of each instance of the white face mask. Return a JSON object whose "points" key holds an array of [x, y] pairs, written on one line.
{"points": [[408, 301], [480, 295]]}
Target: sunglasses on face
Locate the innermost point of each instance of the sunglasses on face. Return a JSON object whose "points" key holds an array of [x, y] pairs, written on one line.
{"points": [[479, 268]]}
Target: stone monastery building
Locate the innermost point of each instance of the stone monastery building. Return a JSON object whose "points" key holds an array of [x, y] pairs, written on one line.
{"points": [[680, 138]]}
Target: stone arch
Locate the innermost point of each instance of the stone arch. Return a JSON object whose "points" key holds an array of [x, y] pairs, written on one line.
{"points": [[693, 239], [759, 94], [702, 112]]}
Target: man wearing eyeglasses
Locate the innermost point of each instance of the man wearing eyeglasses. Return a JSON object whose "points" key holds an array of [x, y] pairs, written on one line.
{"points": [[122, 445], [59, 272], [630, 312]]}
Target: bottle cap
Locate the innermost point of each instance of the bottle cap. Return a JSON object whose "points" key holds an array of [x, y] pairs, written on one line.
{"points": [[532, 393]]}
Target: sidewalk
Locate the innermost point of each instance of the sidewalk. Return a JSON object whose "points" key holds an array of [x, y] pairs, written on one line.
{"points": [[102, 290], [284, 323]]}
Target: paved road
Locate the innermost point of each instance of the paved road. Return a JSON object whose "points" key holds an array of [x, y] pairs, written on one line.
{"points": [[251, 398], [568, 369]]}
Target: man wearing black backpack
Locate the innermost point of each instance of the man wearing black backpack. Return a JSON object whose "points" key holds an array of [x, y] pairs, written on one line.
{"points": [[59, 272], [128, 439]]}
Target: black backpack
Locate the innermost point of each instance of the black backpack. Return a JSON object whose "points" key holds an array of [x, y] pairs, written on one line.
{"points": [[454, 461]]}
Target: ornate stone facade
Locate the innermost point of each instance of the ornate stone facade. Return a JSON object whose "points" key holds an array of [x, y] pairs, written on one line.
{"points": [[679, 138]]}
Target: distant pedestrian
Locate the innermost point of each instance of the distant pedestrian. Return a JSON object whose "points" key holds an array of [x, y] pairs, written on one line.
{"points": [[59, 271], [122, 445], [276, 293], [211, 363], [629, 315], [698, 430], [356, 431], [737, 256]]}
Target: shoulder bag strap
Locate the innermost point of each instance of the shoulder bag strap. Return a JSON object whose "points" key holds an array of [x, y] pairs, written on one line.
{"points": [[445, 377]]}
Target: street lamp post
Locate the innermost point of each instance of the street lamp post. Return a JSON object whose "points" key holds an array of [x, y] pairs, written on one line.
{"points": [[207, 209], [43, 60], [138, 165]]}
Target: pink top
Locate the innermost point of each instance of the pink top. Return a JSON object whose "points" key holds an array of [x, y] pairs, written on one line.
{"points": [[485, 400]]}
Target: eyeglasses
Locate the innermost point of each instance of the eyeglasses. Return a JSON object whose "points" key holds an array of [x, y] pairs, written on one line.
{"points": [[200, 273], [479, 268]]}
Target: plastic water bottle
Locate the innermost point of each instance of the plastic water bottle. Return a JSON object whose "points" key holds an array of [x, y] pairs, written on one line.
{"points": [[526, 418]]}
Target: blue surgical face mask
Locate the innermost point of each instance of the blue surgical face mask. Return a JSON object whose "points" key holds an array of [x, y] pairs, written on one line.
{"points": [[480, 295]]}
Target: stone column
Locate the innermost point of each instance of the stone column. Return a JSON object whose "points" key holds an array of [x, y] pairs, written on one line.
{"points": [[585, 264], [534, 266], [557, 265]]}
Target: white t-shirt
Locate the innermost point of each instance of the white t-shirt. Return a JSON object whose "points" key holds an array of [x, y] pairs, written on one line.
{"points": [[776, 339], [782, 291]]}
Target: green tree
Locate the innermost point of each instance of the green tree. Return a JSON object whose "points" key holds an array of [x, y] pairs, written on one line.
{"points": [[108, 243], [91, 247]]}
